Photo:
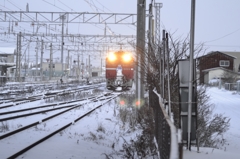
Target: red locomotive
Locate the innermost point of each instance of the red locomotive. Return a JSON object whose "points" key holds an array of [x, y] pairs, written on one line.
{"points": [[119, 70]]}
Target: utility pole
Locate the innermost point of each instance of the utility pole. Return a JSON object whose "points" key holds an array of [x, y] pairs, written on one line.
{"points": [[63, 18], [19, 56], [41, 64], [149, 41], [51, 63], [78, 74], [82, 65], [68, 67], [25, 64], [150, 52], [190, 86], [36, 71], [141, 7], [163, 64], [101, 67], [86, 66], [28, 57], [89, 67], [168, 76]]}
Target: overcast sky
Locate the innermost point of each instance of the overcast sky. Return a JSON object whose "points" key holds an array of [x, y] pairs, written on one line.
{"points": [[217, 22]]}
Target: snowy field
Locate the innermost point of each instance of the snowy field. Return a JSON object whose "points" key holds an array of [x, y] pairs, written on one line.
{"points": [[227, 103]]}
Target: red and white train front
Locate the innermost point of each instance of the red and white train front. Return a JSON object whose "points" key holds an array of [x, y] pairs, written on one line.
{"points": [[119, 70]]}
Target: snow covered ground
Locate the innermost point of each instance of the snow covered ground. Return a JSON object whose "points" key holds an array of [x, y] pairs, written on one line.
{"points": [[227, 103], [98, 135], [103, 133]]}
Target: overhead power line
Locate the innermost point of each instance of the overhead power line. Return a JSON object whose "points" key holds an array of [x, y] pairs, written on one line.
{"points": [[54, 5], [65, 5], [224, 45], [14, 5], [223, 36]]}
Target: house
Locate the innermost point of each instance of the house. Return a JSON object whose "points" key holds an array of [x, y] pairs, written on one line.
{"points": [[214, 64], [236, 67]]}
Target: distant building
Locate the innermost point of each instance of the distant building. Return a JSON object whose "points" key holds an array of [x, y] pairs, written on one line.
{"points": [[214, 64], [98, 72], [56, 69], [6, 62]]}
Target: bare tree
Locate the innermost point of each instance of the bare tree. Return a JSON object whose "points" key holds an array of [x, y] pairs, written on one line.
{"points": [[178, 50], [211, 127], [229, 77]]}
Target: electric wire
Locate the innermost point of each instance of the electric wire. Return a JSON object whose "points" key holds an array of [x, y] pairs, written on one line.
{"points": [[53, 5], [112, 12], [14, 4], [223, 36], [44, 1]]}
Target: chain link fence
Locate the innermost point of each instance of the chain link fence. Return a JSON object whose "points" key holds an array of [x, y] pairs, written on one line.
{"points": [[232, 86], [165, 131]]}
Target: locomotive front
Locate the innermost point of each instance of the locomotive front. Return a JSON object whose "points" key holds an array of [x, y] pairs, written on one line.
{"points": [[119, 70]]}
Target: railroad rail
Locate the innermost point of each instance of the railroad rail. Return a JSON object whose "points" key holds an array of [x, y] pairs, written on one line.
{"points": [[104, 98]]}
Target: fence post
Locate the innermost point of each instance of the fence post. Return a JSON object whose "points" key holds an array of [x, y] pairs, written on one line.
{"points": [[238, 86]]}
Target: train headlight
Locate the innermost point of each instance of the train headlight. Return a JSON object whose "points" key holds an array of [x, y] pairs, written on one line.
{"points": [[127, 57], [112, 57]]}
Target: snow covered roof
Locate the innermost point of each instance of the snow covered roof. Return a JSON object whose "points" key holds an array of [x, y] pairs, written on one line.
{"points": [[214, 52], [234, 54], [216, 68], [220, 68]]}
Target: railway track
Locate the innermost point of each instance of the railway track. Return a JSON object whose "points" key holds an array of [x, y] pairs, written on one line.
{"points": [[17, 101], [100, 100], [28, 88]]}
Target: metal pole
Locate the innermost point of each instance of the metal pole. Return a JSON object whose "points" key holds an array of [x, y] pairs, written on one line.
{"points": [[163, 65], [101, 68], [190, 86], [19, 57], [82, 66], [157, 41], [160, 69], [25, 64], [41, 64], [36, 59], [149, 41], [63, 17], [28, 58], [141, 7], [78, 67], [157, 36], [68, 67], [17, 54], [86, 65], [51, 63], [89, 69], [168, 73]]}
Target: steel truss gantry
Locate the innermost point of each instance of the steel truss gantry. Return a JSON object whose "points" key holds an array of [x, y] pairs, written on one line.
{"points": [[76, 38], [70, 17], [157, 36]]}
